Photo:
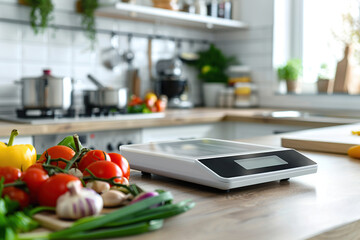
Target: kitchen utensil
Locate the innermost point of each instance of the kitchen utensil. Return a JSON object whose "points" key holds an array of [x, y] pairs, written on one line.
{"points": [[111, 57], [169, 67], [149, 55], [186, 56], [133, 81], [106, 97], [218, 163], [171, 83], [336, 139], [128, 55], [47, 92], [96, 82]]}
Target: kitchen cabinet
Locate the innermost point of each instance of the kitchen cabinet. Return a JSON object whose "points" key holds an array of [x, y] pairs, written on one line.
{"points": [[155, 15]]}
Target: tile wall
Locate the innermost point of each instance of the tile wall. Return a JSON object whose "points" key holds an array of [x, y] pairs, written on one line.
{"points": [[254, 46], [67, 53]]}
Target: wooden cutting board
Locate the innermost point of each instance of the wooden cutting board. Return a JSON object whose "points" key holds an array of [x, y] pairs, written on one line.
{"points": [[50, 221], [336, 139]]}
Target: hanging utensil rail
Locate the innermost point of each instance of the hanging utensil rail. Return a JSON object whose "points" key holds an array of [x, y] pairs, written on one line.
{"points": [[105, 31]]}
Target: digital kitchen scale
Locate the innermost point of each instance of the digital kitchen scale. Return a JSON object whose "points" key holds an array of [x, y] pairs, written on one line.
{"points": [[218, 163]]}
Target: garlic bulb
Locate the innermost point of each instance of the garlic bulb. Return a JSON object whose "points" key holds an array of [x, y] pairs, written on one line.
{"points": [[113, 198], [78, 202], [75, 172], [98, 186]]}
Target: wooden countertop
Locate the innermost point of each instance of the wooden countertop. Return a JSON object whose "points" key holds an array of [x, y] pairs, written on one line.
{"points": [[325, 205], [172, 118]]}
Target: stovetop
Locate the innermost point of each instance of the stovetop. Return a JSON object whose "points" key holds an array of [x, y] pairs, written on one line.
{"points": [[77, 118]]}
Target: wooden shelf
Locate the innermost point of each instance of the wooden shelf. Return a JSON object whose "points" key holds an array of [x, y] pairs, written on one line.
{"points": [[151, 14]]}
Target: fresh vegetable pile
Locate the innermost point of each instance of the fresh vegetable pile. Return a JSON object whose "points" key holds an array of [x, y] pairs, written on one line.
{"points": [[76, 183], [151, 103]]}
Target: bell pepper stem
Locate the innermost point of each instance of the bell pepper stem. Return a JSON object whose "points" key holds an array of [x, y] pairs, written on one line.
{"points": [[13, 134], [77, 142]]}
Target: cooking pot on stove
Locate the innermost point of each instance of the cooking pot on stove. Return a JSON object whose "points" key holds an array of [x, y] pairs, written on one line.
{"points": [[47, 92], [105, 97]]}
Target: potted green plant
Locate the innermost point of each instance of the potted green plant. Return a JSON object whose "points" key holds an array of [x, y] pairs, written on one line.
{"points": [[87, 9], [290, 72], [212, 65], [40, 14]]}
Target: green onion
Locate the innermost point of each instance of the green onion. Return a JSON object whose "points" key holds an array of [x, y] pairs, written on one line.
{"points": [[155, 213], [127, 230]]}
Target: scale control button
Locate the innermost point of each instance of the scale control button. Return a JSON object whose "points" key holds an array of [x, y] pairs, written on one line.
{"points": [[110, 147]]}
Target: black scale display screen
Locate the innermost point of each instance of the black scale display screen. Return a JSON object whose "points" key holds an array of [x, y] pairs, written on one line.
{"points": [[241, 165]]}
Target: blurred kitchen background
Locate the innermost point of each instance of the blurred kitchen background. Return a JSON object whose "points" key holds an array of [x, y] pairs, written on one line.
{"points": [[258, 42]]}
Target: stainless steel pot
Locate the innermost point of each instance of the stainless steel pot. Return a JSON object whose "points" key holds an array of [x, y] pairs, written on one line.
{"points": [[105, 97], [47, 92]]}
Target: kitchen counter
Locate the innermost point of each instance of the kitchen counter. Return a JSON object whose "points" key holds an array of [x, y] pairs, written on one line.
{"points": [[178, 117], [325, 205]]}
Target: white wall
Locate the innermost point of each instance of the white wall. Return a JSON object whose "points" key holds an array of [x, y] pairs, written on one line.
{"points": [[66, 53]]}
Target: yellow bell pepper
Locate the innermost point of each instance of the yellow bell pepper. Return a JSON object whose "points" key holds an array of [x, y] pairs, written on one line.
{"points": [[21, 156]]}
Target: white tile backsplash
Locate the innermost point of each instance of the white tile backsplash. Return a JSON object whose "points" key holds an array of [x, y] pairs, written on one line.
{"points": [[9, 71], [33, 69], [83, 56], [10, 32], [34, 52], [59, 54], [28, 35], [60, 37], [10, 50]]}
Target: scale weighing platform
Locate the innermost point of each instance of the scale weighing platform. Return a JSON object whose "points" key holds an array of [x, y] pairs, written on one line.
{"points": [[217, 163]]}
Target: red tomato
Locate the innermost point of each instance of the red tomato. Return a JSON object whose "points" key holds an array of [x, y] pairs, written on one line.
{"points": [[121, 161], [34, 178], [54, 187], [58, 151], [37, 165], [18, 195], [10, 174], [91, 157], [105, 169], [160, 105]]}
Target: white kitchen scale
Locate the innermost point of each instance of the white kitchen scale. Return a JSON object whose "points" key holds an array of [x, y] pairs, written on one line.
{"points": [[218, 163]]}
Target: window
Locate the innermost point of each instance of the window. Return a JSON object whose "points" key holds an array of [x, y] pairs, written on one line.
{"points": [[316, 32]]}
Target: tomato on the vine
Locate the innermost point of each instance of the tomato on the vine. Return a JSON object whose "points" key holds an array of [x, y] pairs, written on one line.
{"points": [[121, 161], [58, 151], [37, 165], [34, 178], [54, 187], [105, 169], [91, 157], [18, 195], [10, 174]]}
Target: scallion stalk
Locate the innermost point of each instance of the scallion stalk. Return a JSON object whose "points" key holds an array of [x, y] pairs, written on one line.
{"points": [[127, 230]]}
